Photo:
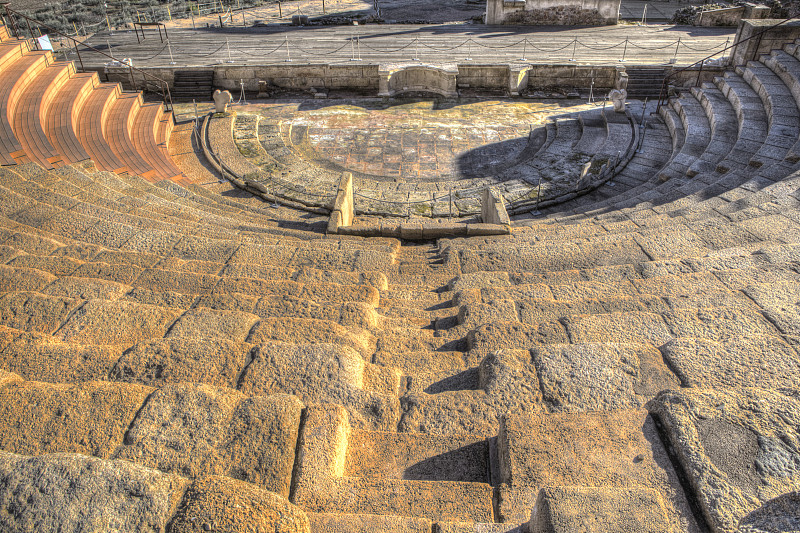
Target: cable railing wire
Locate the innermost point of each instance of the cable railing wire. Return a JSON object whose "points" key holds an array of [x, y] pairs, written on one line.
{"points": [[417, 43], [426, 45], [549, 51], [701, 49], [295, 47], [482, 45], [661, 47], [248, 53], [364, 44], [600, 49]]}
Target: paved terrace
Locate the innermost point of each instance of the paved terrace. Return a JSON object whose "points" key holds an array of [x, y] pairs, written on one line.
{"points": [[430, 44]]}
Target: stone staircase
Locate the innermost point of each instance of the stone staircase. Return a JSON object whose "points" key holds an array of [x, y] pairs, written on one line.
{"points": [[184, 360], [197, 84], [710, 165], [645, 82]]}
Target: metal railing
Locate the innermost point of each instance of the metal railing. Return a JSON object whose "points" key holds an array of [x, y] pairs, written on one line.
{"points": [[12, 21], [664, 84]]}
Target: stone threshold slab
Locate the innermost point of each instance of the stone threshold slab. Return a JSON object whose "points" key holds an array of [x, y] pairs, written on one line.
{"points": [[415, 232]]}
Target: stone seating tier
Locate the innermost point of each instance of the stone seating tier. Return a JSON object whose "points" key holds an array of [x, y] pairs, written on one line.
{"points": [[188, 361], [762, 151], [433, 392], [54, 116], [553, 160]]}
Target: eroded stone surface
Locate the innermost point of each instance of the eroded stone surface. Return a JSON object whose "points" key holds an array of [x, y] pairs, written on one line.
{"points": [[367, 523], [738, 447], [320, 373], [199, 430], [72, 493], [473, 401], [89, 418], [614, 510], [600, 377], [227, 505], [767, 362], [305, 330], [618, 449], [117, 322], [158, 362], [203, 323], [42, 358]]}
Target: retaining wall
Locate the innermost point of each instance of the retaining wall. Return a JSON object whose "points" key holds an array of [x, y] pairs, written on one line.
{"points": [[731, 16], [772, 39], [549, 12], [366, 79]]}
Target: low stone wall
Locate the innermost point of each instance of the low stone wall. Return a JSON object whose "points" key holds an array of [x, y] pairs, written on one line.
{"points": [[481, 76], [552, 12], [689, 78], [361, 78], [380, 80], [731, 16], [579, 77], [772, 39]]}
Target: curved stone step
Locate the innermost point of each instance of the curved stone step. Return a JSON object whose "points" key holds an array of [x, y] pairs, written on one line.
{"points": [[61, 122], [782, 112], [115, 233], [31, 113], [721, 180], [16, 76], [146, 129], [753, 120], [698, 132], [593, 132], [643, 170], [11, 50], [118, 129], [567, 134], [116, 494], [724, 128], [91, 127], [619, 136], [323, 483], [550, 135], [787, 67], [126, 424]]}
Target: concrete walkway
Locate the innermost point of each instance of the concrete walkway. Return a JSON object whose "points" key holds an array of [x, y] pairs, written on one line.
{"points": [[429, 44]]}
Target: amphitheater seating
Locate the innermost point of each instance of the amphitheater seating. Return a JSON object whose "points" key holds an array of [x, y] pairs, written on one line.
{"points": [[185, 360], [763, 150], [54, 116]]}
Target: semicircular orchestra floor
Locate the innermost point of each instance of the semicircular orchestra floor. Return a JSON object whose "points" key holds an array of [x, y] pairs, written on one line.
{"points": [[418, 156]]}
